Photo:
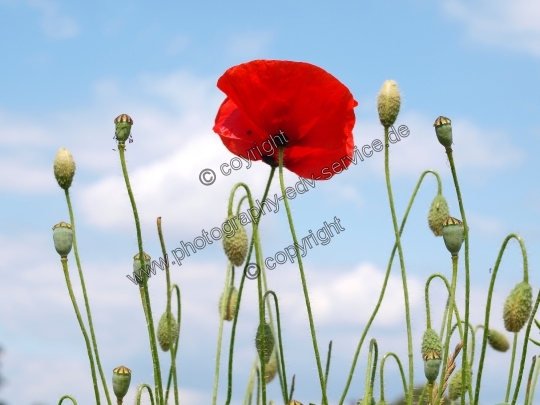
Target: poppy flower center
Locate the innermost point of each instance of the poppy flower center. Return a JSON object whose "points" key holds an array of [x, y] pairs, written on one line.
{"points": [[280, 140]]}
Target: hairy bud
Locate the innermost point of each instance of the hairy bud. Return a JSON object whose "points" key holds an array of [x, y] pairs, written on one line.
{"points": [[64, 168], [388, 103], [438, 213], [266, 350], [236, 244], [165, 339], [517, 307]]}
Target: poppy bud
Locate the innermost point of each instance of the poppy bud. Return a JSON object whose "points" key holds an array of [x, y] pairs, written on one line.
{"points": [[453, 235], [63, 238], [266, 351], [235, 245], [443, 129], [271, 368], [388, 103], [455, 389], [438, 213], [294, 402], [137, 267], [498, 341], [431, 369], [120, 380], [123, 127], [431, 345], [227, 304], [64, 168], [164, 339], [517, 307]]}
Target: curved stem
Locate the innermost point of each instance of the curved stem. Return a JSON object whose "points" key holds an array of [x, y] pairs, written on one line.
{"points": [[174, 346], [86, 302], [371, 364], [402, 265], [488, 303], [67, 397], [144, 288], [249, 389], [83, 329], [464, 364], [303, 277], [403, 380], [139, 393], [385, 282]]}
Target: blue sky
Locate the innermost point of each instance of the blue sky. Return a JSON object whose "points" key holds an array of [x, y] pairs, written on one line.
{"points": [[68, 70]]}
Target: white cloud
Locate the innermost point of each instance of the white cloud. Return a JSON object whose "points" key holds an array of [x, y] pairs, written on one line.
{"points": [[511, 25], [54, 23]]}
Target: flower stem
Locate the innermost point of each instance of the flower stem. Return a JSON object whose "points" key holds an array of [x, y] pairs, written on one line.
{"points": [[385, 282], [86, 302], [144, 290], [402, 265], [67, 397], [464, 364], [403, 380], [535, 380], [83, 329], [174, 346], [303, 277], [511, 371]]}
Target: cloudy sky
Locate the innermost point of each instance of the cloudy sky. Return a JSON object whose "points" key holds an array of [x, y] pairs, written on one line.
{"points": [[68, 70]]}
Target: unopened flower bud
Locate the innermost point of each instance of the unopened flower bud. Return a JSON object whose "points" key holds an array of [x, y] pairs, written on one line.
{"points": [[63, 238], [64, 168], [443, 129], [165, 339], [438, 213], [235, 244], [455, 389], [388, 103], [498, 341], [137, 267], [453, 231], [517, 307], [266, 350], [270, 370], [431, 353], [121, 379], [123, 127], [227, 303]]}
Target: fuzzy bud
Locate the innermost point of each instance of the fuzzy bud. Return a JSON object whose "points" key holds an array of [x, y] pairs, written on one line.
{"points": [[121, 379], [443, 129], [452, 232], [123, 125], [388, 103], [63, 238], [266, 350], [227, 304], [64, 168], [164, 339], [517, 307], [455, 389], [270, 370], [137, 267], [498, 341], [431, 345], [438, 213], [236, 244]]}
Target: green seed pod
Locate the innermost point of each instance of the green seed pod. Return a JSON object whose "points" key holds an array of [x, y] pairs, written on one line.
{"points": [[498, 341], [432, 368], [227, 304], [123, 127], [270, 370], [120, 380], [443, 129], [236, 245], [431, 345], [453, 231], [517, 307], [64, 168], [388, 103], [63, 238], [438, 213], [455, 390], [137, 267], [266, 351], [164, 339], [294, 402]]}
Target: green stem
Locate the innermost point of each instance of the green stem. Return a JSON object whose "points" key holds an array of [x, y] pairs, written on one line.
{"points": [[67, 397], [83, 329], [402, 265], [168, 311], [529, 381], [144, 290], [86, 302], [385, 282], [511, 371], [371, 365], [139, 393], [403, 380], [535, 380], [464, 363], [303, 277], [488, 303], [249, 389], [174, 346], [421, 399], [327, 370]]}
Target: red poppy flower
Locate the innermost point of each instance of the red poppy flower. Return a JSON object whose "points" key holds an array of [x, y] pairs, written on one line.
{"points": [[299, 106]]}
